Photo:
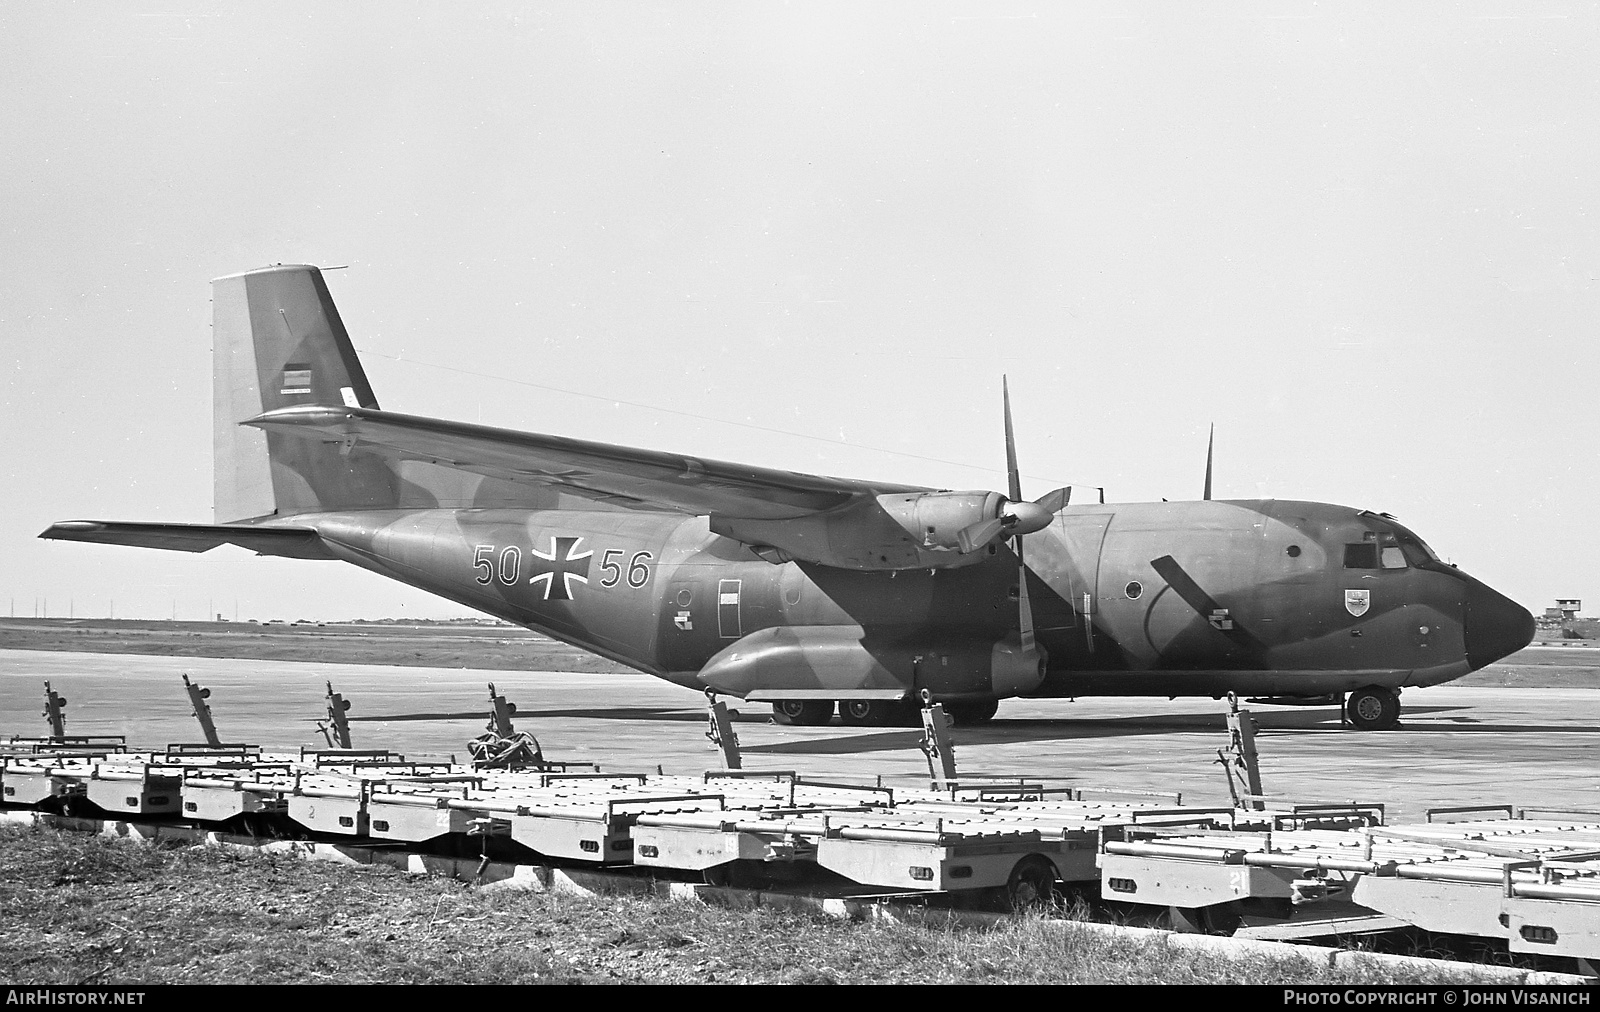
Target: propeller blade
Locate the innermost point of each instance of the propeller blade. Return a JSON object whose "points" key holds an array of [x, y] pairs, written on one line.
{"points": [[1024, 607], [1021, 518], [1013, 478], [1210, 442], [1055, 502], [979, 534]]}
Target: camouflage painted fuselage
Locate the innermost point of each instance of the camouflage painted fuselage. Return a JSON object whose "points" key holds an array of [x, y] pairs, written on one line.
{"points": [[1280, 610]]}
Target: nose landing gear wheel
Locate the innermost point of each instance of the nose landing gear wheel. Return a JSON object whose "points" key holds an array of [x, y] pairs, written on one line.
{"points": [[1374, 709], [803, 712]]}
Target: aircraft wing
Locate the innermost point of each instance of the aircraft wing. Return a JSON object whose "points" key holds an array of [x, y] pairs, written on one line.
{"points": [[600, 471], [290, 542]]}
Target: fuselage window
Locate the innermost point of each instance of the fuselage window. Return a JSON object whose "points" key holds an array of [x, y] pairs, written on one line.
{"points": [[1363, 556]]}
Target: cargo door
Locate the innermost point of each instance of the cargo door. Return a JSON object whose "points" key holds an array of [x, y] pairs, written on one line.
{"points": [[1066, 558]]}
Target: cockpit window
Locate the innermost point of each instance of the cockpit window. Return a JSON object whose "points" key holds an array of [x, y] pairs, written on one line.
{"points": [[1362, 556], [1409, 540], [1413, 550], [1417, 552], [1389, 547]]}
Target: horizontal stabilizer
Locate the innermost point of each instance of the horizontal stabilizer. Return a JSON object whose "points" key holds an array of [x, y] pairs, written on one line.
{"points": [[289, 542]]}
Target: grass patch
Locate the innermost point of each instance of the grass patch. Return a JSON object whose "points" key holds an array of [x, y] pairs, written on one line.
{"points": [[81, 909]]}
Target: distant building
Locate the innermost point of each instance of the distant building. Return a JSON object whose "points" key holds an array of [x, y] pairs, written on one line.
{"points": [[1569, 607]]}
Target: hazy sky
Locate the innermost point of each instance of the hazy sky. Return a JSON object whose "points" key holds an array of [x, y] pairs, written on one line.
{"points": [[1362, 239]]}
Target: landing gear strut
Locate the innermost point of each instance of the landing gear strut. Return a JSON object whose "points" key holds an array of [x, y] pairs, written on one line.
{"points": [[1374, 708]]}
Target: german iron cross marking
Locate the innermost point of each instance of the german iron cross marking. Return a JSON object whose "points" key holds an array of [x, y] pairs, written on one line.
{"points": [[563, 560]]}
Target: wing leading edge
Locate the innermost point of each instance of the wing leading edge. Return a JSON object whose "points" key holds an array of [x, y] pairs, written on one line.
{"points": [[601, 471]]}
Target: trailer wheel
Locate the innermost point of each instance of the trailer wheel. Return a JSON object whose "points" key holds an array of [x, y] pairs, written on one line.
{"points": [[1221, 919], [968, 712], [732, 875], [803, 712], [1032, 885], [1374, 709]]}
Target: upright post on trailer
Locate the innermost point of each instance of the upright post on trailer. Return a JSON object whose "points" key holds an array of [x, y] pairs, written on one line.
{"points": [[1241, 755], [501, 746], [500, 719], [336, 729], [936, 743], [721, 731], [54, 704], [198, 694]]}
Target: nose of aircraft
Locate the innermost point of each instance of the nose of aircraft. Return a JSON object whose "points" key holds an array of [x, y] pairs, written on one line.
{"points": [[1495, 625]]}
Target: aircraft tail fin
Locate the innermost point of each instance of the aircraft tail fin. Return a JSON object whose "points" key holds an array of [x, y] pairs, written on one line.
{"points": [[278, 341]]}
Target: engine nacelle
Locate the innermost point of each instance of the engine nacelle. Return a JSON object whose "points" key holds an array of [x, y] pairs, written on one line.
{"points": [[848, 662], [935, 519], [894, 531]]}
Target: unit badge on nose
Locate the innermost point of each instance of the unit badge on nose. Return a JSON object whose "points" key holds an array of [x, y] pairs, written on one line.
{"points": [[1356, 602]]}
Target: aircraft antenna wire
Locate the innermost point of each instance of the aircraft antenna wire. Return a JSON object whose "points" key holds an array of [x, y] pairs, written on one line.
{"points": [[705, 418]]}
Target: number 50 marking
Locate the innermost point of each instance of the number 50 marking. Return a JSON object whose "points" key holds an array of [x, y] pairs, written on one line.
{"points": [[638, 571], [510, 564]]}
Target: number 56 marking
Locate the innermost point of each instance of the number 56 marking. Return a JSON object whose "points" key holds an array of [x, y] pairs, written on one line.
{"points": [[638, 570]]}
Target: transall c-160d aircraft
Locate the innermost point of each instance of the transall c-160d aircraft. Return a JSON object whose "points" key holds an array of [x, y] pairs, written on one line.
{"points": [[815, 594]]}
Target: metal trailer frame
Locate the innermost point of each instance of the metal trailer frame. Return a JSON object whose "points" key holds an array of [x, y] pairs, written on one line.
{"points": [[135, 789], [1532, 883], [217, 795], [31, 780]]}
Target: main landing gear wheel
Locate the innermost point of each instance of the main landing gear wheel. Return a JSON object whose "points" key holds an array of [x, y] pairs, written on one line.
{"points": [[1032, 885], [1374, 709], [867, 712], [803, 712], [968, 712]]}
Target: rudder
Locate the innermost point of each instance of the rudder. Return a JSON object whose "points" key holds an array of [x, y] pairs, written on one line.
{"points": [[278, 341]]}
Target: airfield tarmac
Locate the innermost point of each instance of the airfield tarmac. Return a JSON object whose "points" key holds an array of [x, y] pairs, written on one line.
{"points": [[1459, 745]]}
